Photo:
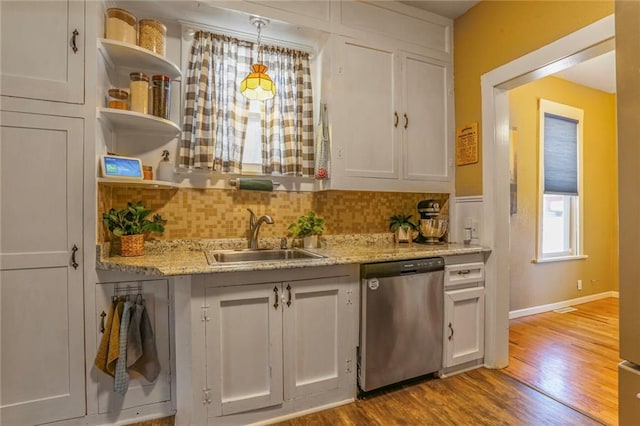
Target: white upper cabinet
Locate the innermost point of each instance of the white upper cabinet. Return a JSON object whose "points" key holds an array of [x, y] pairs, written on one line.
{"points": [[365, 118], [42, 50], [389, 98], [391, 115], [427, 119], [392, 20]]}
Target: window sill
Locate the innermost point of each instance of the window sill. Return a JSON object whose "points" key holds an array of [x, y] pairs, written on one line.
{"points": [[560, 259]]}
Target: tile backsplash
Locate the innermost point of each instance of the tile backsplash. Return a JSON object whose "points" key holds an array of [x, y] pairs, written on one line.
{"points": [[222, 213]]}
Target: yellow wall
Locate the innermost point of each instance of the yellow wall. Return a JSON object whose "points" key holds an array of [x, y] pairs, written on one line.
{"points": [[493, 33], [539, 284]]}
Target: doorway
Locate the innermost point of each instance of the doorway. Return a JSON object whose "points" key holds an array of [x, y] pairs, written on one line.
{"points": [[589, 42]]}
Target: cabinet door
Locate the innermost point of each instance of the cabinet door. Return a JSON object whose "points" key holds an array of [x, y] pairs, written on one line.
{"points": [[42, 307], [427, 119], [365, 121], [244, 347], [464, 325], [37, 55], [140, 391], [316, 327]]}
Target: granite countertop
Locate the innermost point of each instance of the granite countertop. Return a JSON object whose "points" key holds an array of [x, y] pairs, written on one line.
{"points": [[186, 257]]}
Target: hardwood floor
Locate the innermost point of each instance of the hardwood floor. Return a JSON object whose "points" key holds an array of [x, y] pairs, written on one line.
{"points": [[572, 357], [478, 397]]}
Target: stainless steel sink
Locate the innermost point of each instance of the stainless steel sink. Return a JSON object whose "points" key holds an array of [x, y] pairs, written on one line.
{"points": [[237, 256]]}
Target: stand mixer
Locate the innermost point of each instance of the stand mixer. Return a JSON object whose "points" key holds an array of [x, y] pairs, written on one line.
{"points": [[431, 226]]}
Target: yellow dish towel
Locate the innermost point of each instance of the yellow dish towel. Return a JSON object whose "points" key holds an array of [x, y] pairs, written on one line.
{"points": [[114, 340], [101, 357]]}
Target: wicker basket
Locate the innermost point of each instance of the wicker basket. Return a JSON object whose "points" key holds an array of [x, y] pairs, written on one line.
{"points": [[132, 245]]}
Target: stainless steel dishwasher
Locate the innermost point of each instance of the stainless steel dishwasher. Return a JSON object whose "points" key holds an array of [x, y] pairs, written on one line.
{"points": [[401, 324]]}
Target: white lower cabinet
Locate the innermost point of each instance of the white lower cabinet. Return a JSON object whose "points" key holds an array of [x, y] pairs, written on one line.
{"points": [[271, 344], [244, 347], [141, 392], [463, 311], [464, 325]]}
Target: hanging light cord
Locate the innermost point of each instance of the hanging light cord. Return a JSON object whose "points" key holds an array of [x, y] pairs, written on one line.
{"points": [[259, 25]]}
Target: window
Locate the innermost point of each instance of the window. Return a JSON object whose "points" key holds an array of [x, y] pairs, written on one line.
{"points": [[252, 153], [223, 131], [560, 170]]}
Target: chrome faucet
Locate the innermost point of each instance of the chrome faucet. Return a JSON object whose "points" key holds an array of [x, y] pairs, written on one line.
{"points": [[254, 228]]}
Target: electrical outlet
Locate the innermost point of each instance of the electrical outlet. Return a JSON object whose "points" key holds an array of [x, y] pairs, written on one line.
{"points": [[474, 229], [579, 284]]}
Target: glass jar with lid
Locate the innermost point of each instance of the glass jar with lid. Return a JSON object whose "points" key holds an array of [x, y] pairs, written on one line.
{"points": [[139, 92], [152, 36], [118, 99], [120, 25], [161, 90]]}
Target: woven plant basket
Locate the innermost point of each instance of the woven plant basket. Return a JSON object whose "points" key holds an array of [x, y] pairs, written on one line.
{"points": [[132, 245]]}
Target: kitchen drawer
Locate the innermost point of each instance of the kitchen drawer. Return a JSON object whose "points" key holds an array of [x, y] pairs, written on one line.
{"points": [[464, 273]]}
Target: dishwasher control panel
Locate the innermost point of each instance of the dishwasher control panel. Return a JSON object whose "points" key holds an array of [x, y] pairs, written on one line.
{"points": [[402, 267]]}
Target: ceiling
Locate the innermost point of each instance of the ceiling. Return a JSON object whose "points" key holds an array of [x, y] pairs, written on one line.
{"points": [[598, 73], [451, 9]]}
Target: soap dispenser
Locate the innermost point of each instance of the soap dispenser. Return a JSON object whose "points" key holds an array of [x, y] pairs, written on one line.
{"points": [[165, 168]]}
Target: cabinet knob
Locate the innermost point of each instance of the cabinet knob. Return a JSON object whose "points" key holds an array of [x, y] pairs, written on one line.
{"points": [[406, 120], [638, 395], [450, 329], [395, 119]]}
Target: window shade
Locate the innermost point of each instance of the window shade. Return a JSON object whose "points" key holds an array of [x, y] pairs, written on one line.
{"points": [[560, 155]]}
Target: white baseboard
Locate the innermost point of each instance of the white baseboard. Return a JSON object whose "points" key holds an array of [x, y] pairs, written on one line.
{"points": [[303, 412], [552, 306]]}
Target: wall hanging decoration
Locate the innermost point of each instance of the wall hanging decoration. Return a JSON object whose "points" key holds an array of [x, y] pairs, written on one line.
{"points": [[467, 144]]}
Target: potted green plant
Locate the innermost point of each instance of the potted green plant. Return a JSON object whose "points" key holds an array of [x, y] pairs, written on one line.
{"points": [[308, 227], [130, 224], [404, 230]]}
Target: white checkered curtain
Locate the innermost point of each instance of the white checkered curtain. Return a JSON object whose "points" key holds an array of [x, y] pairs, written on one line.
{"points": [[215, 113], [287, 135]]}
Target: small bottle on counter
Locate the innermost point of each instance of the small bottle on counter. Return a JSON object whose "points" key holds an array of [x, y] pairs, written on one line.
{"points": [[466, 236], [165, 168], [161, 88], [118, 99], [139, 88]]}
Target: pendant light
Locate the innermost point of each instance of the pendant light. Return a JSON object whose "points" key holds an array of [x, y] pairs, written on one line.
{"points": [[258, 85]]}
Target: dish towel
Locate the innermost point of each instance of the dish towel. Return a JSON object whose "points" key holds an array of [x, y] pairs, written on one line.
{"points": [[114, 339], [121, 381], [101, 357], [322, 145], [148, 364], [134, 339]]}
